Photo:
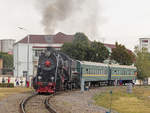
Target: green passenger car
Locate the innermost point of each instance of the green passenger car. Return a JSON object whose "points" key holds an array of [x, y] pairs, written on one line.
{"points": [[100, 72], [122, 72], [92, 71], [96, 74]]}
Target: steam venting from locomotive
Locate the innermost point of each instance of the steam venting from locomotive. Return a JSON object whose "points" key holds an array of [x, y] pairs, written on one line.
{"points": [[70, 16]]}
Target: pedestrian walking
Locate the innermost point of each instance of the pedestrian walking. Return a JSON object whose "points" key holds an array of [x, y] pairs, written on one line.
{"points": [[17, 82]]}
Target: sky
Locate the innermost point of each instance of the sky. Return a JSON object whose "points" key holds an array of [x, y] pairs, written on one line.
{"points": [[124, 21]]}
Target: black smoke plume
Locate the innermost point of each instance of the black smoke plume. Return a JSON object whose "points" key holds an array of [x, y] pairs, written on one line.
{"points": [[71, 16]]}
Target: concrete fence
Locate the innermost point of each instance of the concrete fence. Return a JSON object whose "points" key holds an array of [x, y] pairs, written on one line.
{"points": [[17, 81], [21, 81]]}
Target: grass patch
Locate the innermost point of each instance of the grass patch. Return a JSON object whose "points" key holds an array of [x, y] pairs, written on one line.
{"points": [[137, 102], [4, 92]]}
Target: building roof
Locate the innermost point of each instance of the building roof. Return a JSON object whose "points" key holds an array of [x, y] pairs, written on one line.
{"points": [[110, 45], [48, 39], [144, 38], [57, 38]]}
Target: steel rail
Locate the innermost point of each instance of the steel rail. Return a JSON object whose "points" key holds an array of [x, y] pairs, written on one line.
{"points": [[24, 101], [48, 106], [46, 102]]}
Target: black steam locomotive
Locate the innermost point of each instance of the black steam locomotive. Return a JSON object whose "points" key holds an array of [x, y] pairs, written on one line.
{"points": [[54, 72]]}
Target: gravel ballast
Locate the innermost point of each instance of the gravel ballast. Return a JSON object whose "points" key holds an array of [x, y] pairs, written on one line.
{"points": [[77, 102]]}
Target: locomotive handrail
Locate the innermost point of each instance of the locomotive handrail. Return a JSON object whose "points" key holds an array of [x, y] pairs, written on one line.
{"points": [[56, 67]]}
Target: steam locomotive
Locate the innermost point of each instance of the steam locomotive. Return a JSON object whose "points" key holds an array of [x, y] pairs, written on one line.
{"points": [[54, 72]]}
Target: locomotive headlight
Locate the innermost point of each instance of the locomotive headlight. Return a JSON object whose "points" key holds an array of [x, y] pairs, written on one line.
{"points": [[39, 77], [52, 78]]}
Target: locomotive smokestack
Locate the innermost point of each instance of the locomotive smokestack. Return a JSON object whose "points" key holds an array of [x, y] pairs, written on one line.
{"points": [[70, 15]]}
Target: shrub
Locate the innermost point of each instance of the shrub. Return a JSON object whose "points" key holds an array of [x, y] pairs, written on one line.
{"points": [[7, 85]]}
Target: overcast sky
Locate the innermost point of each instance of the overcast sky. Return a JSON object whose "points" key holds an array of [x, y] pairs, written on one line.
{"points": [[123, 20]]}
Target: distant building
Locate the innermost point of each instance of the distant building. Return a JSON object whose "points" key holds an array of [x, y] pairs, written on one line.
{"points": [[37, 43], [110, 47], [6, 45], [145, 43]]}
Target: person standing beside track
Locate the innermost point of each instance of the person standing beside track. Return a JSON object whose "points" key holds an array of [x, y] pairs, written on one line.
{"points": [[8, 80], [115, 82], [3, 80], [120, 82], [17, 82]]}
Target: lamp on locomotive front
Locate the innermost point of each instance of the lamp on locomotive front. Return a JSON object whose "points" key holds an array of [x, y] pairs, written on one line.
{"points": [[52, 78], [47, 63]]}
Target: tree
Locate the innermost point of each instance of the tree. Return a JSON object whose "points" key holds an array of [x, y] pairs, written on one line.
{"points": [[77, 49], [98, 52], [142, 63], [81, 38], [122, 55], [67, 49], [82, 49], [7, 60]]}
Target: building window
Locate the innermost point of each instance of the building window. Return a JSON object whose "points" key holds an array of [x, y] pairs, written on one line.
{"points": [[57, 48], [37, 53], [144, 45], [145, 41]]}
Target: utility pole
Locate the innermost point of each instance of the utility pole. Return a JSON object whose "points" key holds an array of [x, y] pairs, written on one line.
{"points": [[28, 61], [110, 101]]}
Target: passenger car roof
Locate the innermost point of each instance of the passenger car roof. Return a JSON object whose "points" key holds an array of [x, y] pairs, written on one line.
{"points": [[93, 63]]}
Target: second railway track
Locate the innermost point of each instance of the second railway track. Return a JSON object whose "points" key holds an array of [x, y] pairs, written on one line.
{"points": [[37, 104]]}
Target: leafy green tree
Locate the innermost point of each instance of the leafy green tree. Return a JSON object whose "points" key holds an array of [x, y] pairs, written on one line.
{"points": [[142, 63], [81, 38], [98, 52], [7, 60], [82, 49], [77, 49], [67, 48], [122, 55]]}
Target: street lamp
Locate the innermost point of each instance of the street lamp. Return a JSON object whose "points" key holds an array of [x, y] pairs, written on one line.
{"points": [[28, 41]]}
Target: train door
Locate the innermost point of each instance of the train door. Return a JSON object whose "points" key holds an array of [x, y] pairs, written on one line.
{"points": [[109, 73], [110, 82]]}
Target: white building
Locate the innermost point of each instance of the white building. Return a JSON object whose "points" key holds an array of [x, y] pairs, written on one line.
{"points": [[145, 43], [27, 50]]}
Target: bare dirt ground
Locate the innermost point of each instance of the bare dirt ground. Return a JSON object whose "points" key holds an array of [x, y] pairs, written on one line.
{"points": [[10, 104], [77, 102]]}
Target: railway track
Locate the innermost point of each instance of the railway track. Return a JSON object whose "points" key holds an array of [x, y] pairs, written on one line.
{"points": [[37, 104]]}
